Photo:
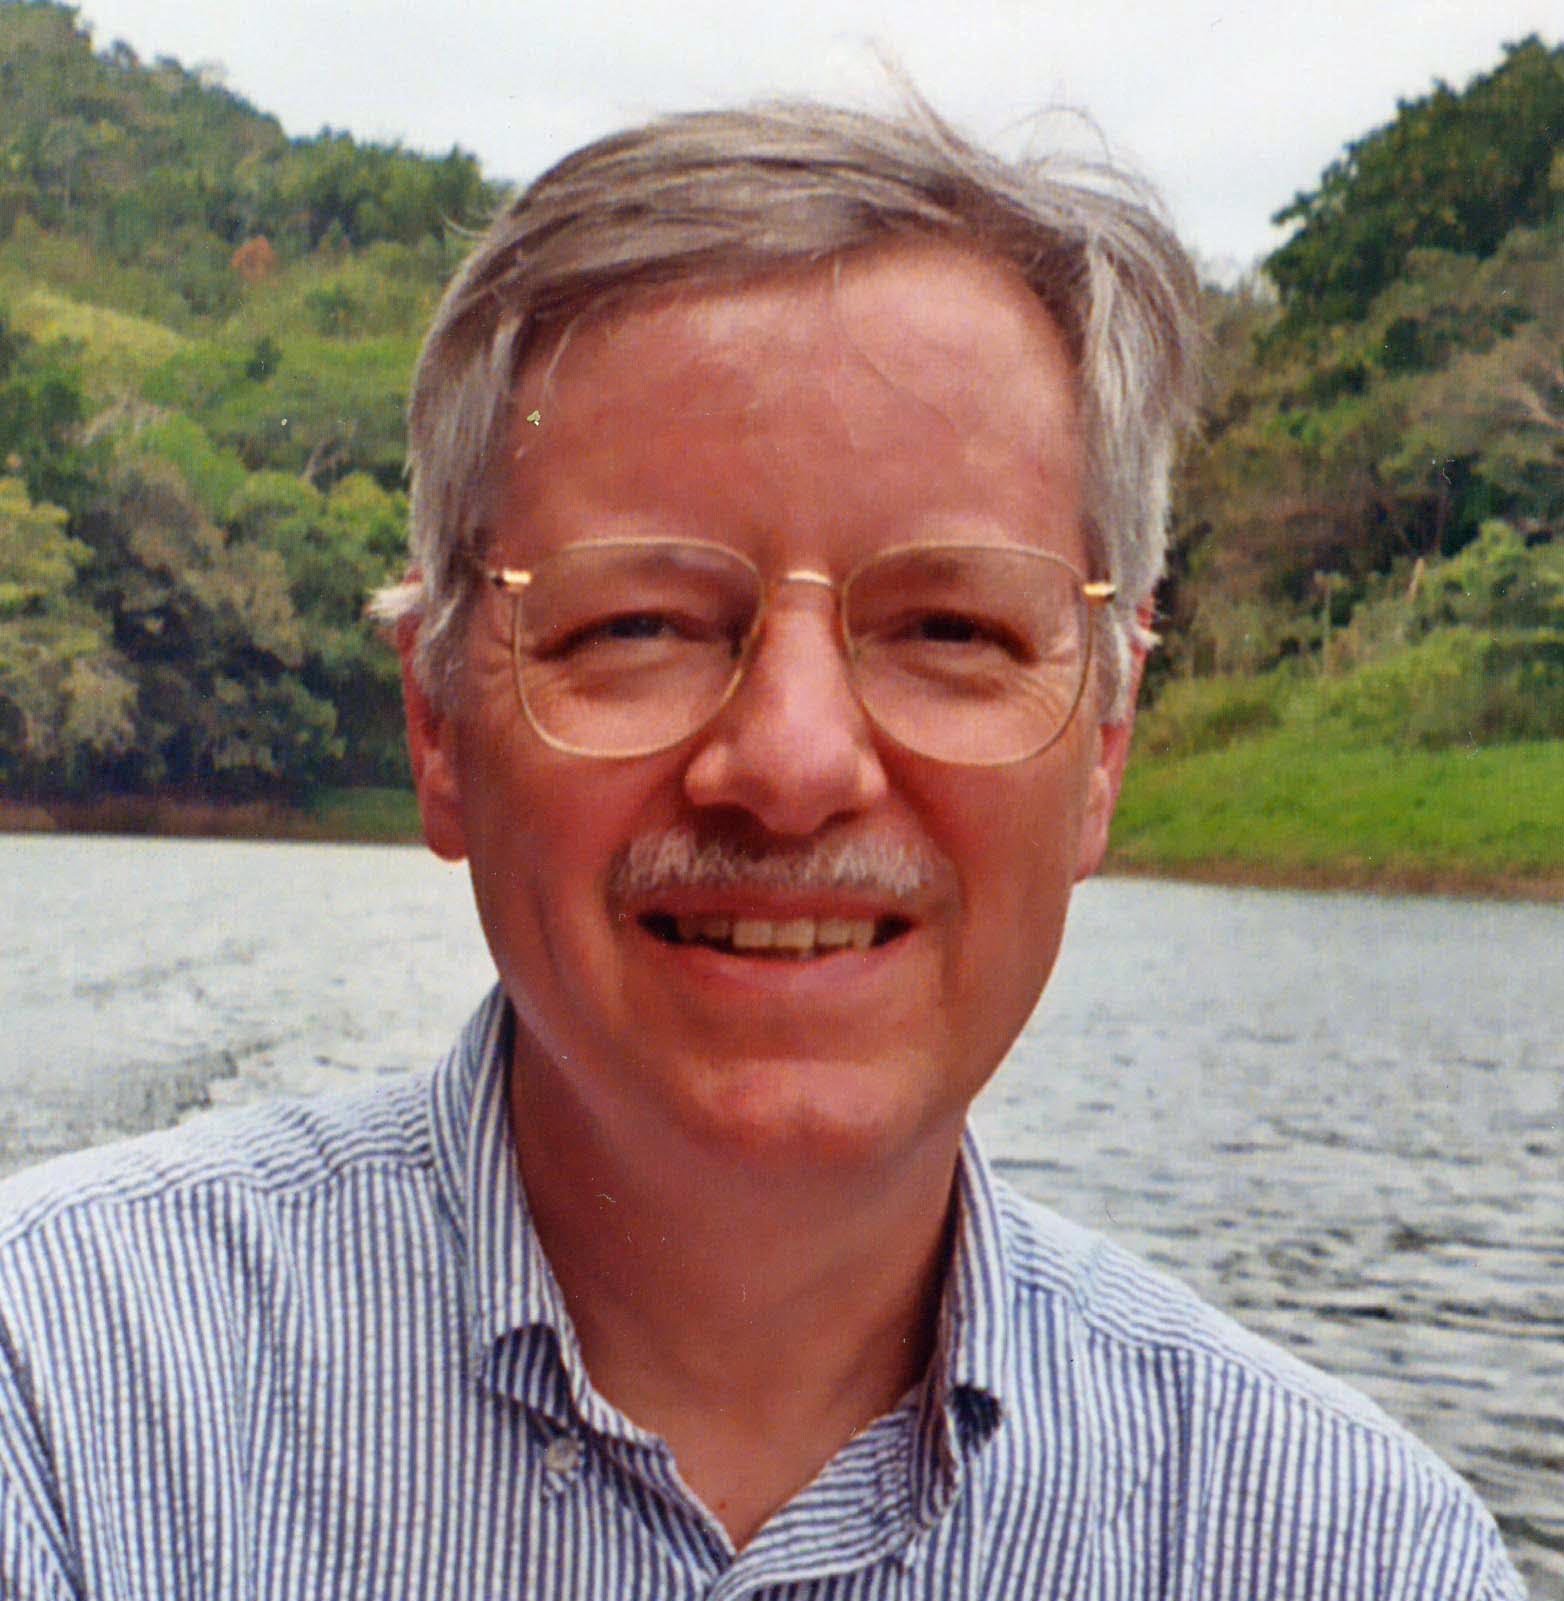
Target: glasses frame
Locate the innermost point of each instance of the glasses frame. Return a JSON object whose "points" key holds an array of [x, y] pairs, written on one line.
{"points": [[1094, 594]]}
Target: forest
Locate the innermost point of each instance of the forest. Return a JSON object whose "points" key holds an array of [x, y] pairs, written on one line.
{"points": [[1375, 501], [206, 332]]}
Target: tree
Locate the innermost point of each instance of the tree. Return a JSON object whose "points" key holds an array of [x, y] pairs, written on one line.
{"points": [[1453, 171], [65, 694], [337, 548], [323, 407], [41, 409], [213, 640]]}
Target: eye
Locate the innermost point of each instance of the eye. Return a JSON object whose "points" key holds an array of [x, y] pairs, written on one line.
{"points": [[965, 629], [947, 628], [620, 628], [635, 625], [668, 633]]}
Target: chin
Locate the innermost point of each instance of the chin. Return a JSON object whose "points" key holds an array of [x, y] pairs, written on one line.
{"points": [[801, 1115]]}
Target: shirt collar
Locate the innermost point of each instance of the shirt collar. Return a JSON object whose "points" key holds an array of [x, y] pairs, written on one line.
{"points": [[514, 1305], [976, 1311], [520, 1336], [505, 1278], [964, 1399]]}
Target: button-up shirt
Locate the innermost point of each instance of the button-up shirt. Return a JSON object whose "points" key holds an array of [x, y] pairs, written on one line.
{"points": [[315, 1350]]}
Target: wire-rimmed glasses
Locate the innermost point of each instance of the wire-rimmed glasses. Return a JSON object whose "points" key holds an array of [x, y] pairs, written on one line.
{"points": [[975, 654]]}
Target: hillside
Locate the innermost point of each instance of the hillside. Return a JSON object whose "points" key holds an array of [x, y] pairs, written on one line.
{"points": [[206, 330], [1369, 539]]}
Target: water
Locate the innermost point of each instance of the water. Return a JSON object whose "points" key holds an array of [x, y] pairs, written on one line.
{"points": [[1340, 1118]]}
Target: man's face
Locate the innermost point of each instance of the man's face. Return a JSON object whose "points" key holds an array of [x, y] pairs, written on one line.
{"points": [[905, 396]]}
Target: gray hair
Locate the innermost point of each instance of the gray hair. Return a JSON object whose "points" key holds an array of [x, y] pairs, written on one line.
{"points": [[715, 199]]}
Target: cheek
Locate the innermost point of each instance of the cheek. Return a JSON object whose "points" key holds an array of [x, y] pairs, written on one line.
{"points": [[509, 853], [543, 831], [1020, 850], [1039, 886]]}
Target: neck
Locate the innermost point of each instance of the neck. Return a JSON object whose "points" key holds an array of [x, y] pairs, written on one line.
{"points": [[755, 1319]]}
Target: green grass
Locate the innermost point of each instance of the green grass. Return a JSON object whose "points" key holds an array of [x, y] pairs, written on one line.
{"points": [[120, 349], [370, 815], [1275, 808], [1282, 805]]}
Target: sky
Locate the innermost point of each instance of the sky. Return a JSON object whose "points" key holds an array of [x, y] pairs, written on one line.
{"points": [[1230, 106]]}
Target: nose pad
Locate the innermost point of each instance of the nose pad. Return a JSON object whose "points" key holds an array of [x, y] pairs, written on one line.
{"points": [[793, 747]]}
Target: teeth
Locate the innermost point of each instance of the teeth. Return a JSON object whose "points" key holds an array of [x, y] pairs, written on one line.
{"points": [[798, 936], [753, 934]]}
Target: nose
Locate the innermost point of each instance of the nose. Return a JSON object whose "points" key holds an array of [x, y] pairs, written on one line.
{"points": [[793, 747]]}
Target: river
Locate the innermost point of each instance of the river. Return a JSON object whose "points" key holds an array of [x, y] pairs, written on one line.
{"points": [[1341, 1118]]}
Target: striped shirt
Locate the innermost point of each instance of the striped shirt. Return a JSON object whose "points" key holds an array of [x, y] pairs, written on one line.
{"points": [[314, 1350]]}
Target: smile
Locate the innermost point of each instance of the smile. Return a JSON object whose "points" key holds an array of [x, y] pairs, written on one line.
{"points": [[798, 938]]}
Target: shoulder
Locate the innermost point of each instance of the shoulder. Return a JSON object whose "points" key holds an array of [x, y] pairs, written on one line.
{"points": [[1177, 1399], [170, 1304], [1129, 1307], [264, 1155]]}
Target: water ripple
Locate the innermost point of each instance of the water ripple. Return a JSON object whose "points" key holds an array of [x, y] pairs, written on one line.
{"points": [[1340, 1118]]}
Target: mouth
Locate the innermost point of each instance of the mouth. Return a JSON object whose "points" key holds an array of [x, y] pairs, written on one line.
{"points": [[777, 939]]}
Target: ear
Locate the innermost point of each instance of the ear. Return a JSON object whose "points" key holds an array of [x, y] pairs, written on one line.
{"points": [[1107, 778], [431, 743]]}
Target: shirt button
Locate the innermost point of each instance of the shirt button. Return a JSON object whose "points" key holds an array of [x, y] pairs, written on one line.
{"points": [[563, 1454]]}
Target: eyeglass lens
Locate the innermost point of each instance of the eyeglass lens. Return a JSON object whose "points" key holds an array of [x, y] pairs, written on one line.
{"points": [[973, 654]]}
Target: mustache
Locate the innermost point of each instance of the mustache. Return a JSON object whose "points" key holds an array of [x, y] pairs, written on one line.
{"points": [[675, 858]]}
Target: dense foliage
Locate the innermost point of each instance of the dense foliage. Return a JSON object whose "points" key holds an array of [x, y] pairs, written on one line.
{"points": [[206, 330], [163, 170], [1373, 517], [1455, 171]]}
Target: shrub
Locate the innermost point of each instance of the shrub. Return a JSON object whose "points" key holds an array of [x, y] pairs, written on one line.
{"points": [[1496, 582], [1457, 687], [1193, 715], [215, 476]]}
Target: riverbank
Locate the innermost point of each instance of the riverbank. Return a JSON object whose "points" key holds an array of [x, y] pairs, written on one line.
{"points": [[1273, 812], [1284, 810], [1351, 877], [344, 817]]}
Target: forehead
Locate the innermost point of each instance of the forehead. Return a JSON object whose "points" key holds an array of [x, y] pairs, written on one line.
{"points": [[925, 374]]}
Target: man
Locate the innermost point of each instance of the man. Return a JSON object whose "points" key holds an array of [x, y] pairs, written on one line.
{"points": [[788, 487]]}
